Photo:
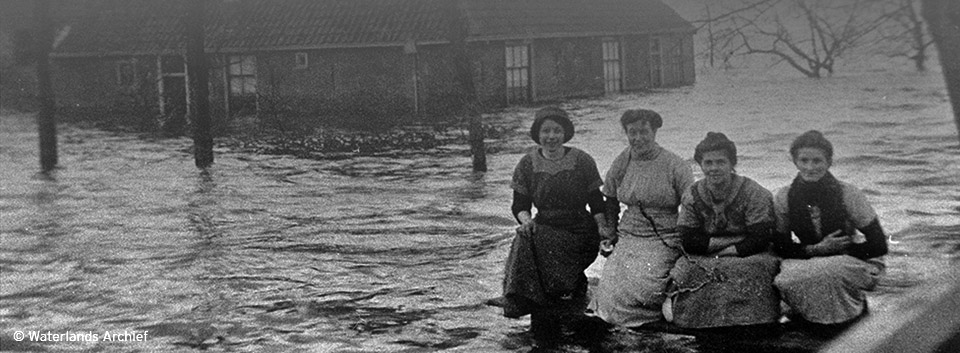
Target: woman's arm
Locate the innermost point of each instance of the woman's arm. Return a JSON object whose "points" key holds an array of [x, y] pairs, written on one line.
{"points": [[521, 211], [756, 241], [876, 244], [697, 242]]}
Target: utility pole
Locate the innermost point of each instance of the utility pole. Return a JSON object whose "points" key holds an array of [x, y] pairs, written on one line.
{"points": [[198, 76], [46, 118], [468, 94], [943, 19]]}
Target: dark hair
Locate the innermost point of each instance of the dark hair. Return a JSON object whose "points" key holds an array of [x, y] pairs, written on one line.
{"points": [[557, 115], [812, 139], [716, 141], [634, 115]]}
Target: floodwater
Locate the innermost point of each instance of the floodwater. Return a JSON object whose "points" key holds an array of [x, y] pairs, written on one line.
{"points": [[397, 253]]}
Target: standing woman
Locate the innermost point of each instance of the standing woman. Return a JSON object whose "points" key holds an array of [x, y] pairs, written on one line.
{"points": [[544, 270], [726, 222], [650, 181], [827, 265]]}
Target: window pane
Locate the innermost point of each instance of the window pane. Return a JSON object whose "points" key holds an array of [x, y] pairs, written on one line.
{"points": [[248, 67], [235, 65], [236, 85], [249, 85]]}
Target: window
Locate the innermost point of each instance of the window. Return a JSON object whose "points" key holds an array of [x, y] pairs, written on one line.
{"points": [[656, 63], [612, 77], [127, 73], [243, 75], [302, 61], [518, 73]]}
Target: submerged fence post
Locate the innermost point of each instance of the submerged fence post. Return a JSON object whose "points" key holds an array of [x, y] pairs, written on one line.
{"points": [[468, 93], [46, 117], [198, 76]]}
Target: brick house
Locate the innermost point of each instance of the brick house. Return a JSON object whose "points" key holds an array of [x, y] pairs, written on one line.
{"points": [[375, 57]]}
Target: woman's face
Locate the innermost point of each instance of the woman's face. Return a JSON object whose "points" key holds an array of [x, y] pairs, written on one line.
{"points": [[640, 134], [551, 134], [716, 167], [812, 163]]}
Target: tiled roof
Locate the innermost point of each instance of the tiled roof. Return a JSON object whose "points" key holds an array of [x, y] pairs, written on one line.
{"points": [[560, 18], [154, 26]]}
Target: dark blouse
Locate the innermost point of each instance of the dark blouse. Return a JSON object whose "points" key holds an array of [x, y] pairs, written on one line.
{"points": [[557, 186], [746, 211]]}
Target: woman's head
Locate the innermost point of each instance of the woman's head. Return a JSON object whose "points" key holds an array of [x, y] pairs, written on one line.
{"points": [[812, 154], [641, 126], [717, 157], [558, 117], [716, 141]]}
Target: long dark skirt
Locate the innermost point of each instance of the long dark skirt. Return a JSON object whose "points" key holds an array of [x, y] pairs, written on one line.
{"points": [[544, 273]]}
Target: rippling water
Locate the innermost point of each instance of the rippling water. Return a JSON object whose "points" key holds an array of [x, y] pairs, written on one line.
{"points": [[275, 253]]}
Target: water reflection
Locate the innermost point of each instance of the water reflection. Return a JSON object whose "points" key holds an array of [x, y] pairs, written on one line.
{"points": [[275, 253]]}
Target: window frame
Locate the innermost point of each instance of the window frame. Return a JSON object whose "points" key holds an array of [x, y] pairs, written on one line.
{"points": [[242, 69], [612, 53], [517, 72]]}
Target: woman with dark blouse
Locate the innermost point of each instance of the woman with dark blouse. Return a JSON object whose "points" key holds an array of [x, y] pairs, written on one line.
{"points": [[725, 222], [828, 264], [544, 270]]}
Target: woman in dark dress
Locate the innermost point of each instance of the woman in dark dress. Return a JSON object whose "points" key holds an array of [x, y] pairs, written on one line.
{"points": [[544, 270]]}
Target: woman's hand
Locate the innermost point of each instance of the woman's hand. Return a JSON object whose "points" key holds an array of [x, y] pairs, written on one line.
{"points": [[833, 244], [527, 228], [607, 246]]}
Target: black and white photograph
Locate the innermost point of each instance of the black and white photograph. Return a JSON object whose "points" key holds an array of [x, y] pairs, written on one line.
{"points": [[417, 176]]}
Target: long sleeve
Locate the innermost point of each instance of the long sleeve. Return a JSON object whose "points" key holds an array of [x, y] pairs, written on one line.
{"points": [[757, 241], [876, 244], [595, 202], [612, 206], [694, 239], [785, 247], [521, 203]]}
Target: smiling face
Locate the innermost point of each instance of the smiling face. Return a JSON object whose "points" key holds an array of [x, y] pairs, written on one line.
{"points": [[551, 134], [640, 134], [812, 163], [716, 167]]}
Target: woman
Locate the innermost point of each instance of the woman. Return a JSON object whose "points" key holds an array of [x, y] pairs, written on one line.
{"points": [[725, 223], [827, 265], [544, 271], [650, 181]]}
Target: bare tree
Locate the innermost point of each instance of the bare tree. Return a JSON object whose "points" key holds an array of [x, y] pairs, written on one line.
{"points": [[808, 35], [943, 17], [905, 32]]}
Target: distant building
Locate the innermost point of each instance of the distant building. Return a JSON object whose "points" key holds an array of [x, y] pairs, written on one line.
{"points": [[382, 57]]}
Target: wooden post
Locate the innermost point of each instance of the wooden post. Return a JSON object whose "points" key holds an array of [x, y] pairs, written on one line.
{"points": [[943, 19], [464, 73], [46, 118], [198, 84]]}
